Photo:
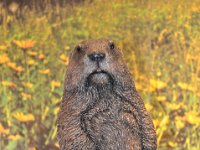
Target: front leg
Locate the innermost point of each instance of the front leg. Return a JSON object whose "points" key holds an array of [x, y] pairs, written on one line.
{"points": [[71, 136], [91, 123], [135, 106]]}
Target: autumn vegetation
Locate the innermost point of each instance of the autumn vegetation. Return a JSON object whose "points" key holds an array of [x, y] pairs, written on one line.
{"points": [[160, 42]]}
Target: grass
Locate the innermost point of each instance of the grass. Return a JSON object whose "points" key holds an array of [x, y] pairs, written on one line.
{"points": [[160, 41]]}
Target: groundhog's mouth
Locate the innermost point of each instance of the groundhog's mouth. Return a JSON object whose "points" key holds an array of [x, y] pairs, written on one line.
{"points": [[98, 77]]}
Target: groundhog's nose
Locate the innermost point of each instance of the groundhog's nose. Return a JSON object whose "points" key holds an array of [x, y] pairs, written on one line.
{"points": [[96, 56]]}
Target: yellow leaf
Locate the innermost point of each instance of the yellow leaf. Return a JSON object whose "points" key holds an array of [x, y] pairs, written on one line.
{"points": [[164, 121], [31, 62], [158, 74], [3, 130], [24, 44], [185, 86], [54, 84], [8, 84], [26, 96], [148, 107], [157, 84], [45, 71], [57, 145], [32, 53], [64, 59], [4, 58], [41, 56], [156, 122], [56, 110], [27, 84], [161, 98], [3, 47], [14, 137], [32, 148], [138, 86], [174, 106], [14, 67], [192, 118], [172, 144], [23, 117], [179, 123]]}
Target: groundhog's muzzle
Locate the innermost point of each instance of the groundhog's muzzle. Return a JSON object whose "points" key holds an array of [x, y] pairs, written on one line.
{"points": [[99, 78]]}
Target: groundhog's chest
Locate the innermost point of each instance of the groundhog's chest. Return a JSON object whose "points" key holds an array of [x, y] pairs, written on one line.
{"points": [[109, 122]]}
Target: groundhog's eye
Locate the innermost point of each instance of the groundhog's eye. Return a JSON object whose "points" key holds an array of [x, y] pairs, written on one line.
{"points": [[111, 45], [78, 48]]}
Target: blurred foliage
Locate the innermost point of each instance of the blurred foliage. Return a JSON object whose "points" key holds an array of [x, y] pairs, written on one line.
{"points": [[160, 41]]}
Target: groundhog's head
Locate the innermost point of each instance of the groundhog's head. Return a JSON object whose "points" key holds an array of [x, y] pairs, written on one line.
{"points": [[96, 63]]}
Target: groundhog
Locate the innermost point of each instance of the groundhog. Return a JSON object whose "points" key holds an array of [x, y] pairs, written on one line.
{"points": [[100, 108]]}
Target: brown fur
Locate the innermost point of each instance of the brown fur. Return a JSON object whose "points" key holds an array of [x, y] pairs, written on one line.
{"points": [[100, 108]]}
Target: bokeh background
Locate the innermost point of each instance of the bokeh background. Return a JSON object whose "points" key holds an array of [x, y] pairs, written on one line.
{"points": [[161, 45]]}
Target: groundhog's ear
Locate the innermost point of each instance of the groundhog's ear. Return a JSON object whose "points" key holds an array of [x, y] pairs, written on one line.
{"points": [[78, 48], [111, 45]]}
